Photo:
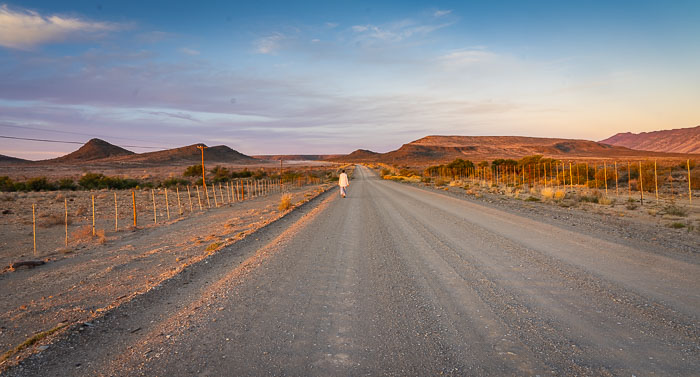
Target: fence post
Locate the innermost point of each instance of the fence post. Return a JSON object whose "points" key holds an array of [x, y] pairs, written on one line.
{"points": [[221, 193], [93, 215], [167, 206], [116, 213], [690, 192], [199, 198], [641, 184], [34, 226], [65, 204], [213, 190], [133, 203], [153, 196], [656, 183]]}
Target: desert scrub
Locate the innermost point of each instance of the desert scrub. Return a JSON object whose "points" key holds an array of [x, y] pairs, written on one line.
{"points": [[606, 201], [54, 220], [532, 199], [631, 206], [285, 202], [213, 246], [559, 194], [676, 211], [84, 234], [677, 225], [547, 193]]}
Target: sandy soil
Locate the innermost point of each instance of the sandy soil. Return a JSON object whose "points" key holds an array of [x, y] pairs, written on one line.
{"points": [[94, 274]]}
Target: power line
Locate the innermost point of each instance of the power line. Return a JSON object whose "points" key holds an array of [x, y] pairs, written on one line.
{"points": [[72, 142], [67, 132]]}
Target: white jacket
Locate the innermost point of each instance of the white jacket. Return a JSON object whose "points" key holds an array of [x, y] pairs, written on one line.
{"points": [[343, 180]]}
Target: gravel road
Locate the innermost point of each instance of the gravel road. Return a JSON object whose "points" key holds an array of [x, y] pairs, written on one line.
{"points": [[396, 280]]}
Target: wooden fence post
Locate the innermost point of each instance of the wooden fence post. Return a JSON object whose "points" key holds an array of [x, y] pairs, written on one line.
{"points": [[153, 196], [213, 190], [133, 203], [93, 215], [199, 198], [641, 184], [690, 192], [656, 183], [167, 206], [116, 213], [34, 226], [65, 204], [221, 193]]}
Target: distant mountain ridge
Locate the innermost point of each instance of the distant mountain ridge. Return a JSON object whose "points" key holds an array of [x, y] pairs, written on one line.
{"points": [[97, 151], [679, 140], [438, 148]]}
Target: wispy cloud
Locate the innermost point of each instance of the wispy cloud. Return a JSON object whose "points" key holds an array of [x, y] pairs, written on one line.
{"points": [[189, 51], [396, 31], [440, 13], [25, 29], [269, 44], [466, 57], [332, 25]]}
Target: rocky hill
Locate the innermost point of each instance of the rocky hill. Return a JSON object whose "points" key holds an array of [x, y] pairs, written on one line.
{"points": [[189, 154], [95, 149], [680, 140], [8, 160]]}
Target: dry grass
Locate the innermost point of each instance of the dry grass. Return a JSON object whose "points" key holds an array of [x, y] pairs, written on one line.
{"points": [[559, 194], [547, 193], [676, 211], [605, 201], [30, 342], [54, 220], [285, 202], [84, 234], [213, 246]]}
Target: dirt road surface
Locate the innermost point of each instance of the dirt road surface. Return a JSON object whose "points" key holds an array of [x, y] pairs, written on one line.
{"points": [[396, 280]]}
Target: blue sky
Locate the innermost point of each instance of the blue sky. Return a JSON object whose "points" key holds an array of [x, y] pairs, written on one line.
{"points": [[331, 77]]}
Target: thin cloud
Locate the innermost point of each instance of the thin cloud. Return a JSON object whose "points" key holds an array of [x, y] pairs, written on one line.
{"points": [[189, 51], [332, 25], [440, 13], [270, 44], [26, 29], [397, 31]]}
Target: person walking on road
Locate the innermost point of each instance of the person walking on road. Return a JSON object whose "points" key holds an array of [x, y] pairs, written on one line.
{"points": [[343, 183]]}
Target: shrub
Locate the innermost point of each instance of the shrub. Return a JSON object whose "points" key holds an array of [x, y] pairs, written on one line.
{"points": [[193, 171], [676, 211], [559, 194], [532, 199], [547, 193], [605, 201], [631, 206], [92, 181], [285, 202], [6, 184], [84, 234], [221, 174], [66, 184], [677, 225], [39, 184], [213, 246], [172, 181]]}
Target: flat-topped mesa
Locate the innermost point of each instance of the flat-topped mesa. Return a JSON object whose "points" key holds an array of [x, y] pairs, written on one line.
{"points": [[680, 140]]}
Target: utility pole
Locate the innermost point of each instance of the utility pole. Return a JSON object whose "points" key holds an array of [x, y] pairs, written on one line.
{"points": [[204, 182]]}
